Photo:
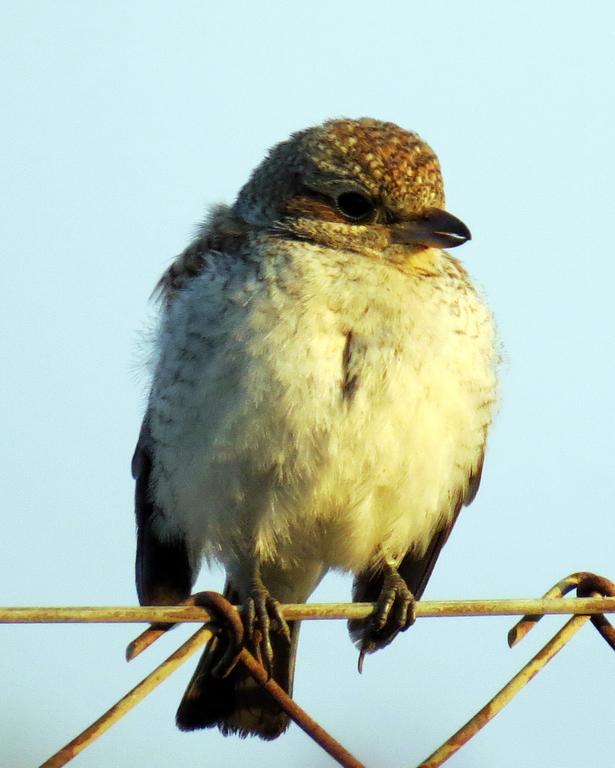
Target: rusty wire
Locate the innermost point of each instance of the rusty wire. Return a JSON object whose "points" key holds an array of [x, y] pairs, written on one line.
{"points": [[596, 596], [188, 613], [127, 702], [585, 583]]}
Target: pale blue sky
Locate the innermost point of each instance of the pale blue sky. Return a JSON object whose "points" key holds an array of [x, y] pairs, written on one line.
{"points": [[121, 123]]}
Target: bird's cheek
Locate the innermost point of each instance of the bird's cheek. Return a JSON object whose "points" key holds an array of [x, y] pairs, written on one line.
{"points": [[365, 239], [418, 260]]}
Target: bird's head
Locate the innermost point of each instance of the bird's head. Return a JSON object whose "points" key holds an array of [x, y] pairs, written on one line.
{"points": [[360, 185]]}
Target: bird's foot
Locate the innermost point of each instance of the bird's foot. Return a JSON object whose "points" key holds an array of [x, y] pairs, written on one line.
{"points": [[394, 613], [261, 616]]}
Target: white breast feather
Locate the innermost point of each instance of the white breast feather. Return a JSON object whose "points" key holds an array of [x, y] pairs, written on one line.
{"points": [[257, 445]]}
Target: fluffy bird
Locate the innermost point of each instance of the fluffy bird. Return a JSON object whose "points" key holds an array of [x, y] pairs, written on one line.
{"points": [[324, 380]]}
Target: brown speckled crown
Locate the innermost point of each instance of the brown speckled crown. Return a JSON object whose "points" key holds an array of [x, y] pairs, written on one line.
{"points": [[392, 164]]}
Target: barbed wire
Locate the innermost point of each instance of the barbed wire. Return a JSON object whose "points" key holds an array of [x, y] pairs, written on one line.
{"points": [[596, 596]]}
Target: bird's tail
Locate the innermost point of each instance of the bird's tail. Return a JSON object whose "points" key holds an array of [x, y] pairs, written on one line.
{"points": [[236, 703]]}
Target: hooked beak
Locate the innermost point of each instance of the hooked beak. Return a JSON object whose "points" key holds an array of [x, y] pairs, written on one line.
{"points": [[433, 228]]}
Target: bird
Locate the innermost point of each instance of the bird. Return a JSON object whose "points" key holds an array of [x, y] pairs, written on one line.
{"points": [[324, 379]]}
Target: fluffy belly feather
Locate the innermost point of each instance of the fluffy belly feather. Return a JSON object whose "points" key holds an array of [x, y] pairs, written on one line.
{"points": [[264, 449]]}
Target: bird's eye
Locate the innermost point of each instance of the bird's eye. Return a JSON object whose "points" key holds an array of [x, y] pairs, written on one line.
{"points": [[355, 206]]}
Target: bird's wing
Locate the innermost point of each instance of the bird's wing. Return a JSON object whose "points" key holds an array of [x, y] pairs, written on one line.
{"points": [[190, 263], [415, 570], [221, 233], [163, 571]]}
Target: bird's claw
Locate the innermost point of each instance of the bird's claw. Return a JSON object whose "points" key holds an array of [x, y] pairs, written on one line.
{"points": [[394, 613], [262, 615]]}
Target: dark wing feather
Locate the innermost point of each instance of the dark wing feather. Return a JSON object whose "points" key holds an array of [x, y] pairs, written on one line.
{"points": [[221, 234], [163, 571], [414, 570]]}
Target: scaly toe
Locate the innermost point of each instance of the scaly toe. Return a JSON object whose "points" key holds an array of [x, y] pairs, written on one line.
{"points": [[262, 615], [276, 615], [393, 614]]}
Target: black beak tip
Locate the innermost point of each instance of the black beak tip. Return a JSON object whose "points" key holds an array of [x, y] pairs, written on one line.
{"points": [[435, 228], [463, 233], [457, 233]]}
